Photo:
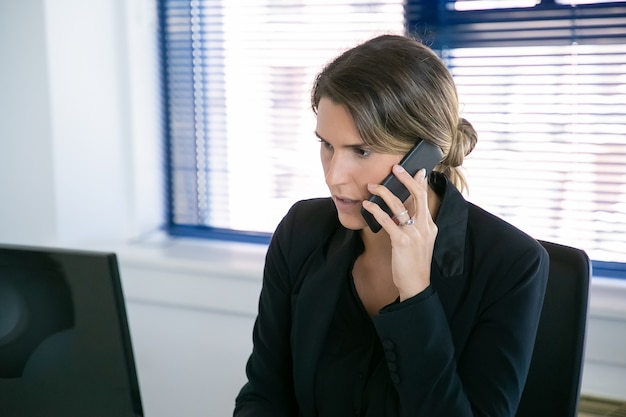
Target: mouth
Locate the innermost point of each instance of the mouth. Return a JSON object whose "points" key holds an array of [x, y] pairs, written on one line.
{"points": [[344, 203]]}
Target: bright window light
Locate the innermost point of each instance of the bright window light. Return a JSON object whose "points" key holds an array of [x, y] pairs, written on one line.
{"points": [[549, 111]]}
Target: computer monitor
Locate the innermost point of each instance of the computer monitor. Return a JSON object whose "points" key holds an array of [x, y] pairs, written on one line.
{"points": [[65, 347]]}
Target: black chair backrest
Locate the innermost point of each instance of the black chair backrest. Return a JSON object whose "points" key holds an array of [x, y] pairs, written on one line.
{"points": [[553, 385]]}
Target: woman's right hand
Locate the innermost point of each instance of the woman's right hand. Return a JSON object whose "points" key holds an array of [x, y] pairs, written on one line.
{"points": [[412, 244]]}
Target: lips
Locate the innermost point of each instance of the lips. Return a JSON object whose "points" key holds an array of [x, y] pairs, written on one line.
{"points": [[345, 204]]}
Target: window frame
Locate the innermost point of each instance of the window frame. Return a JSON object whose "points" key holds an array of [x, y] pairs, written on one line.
{"points": [[425, 18]]}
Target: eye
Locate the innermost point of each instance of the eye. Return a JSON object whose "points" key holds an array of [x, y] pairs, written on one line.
{"points": [[326, 145], [363, 153]]}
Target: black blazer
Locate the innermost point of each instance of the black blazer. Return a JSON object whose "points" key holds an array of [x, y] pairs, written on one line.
{"points": [[462, 351]]}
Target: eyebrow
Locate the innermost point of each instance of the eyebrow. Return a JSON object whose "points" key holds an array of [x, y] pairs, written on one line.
{"points": [[354, 146]]}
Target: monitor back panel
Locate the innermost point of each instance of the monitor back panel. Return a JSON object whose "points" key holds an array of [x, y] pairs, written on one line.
{"points": [[65, 347]]}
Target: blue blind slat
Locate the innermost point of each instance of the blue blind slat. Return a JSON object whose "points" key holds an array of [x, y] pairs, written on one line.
{"points": [[549, 24]]}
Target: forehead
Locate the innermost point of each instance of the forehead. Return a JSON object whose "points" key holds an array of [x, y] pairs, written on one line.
{"points": [[334, 123]]}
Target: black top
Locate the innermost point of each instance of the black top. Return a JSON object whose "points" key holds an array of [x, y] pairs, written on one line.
{"points": [[462, 350], [352, 377], [351, 369]]}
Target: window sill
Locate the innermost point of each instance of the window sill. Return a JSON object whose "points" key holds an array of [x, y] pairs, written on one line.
{"points": [[187, 273]]}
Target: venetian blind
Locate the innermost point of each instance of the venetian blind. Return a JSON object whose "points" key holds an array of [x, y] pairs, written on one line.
{"points": [[543, 82], [237, 84], [545, 88]]}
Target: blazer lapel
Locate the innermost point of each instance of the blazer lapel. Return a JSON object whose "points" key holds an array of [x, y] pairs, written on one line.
{"points": [[313, 312]]}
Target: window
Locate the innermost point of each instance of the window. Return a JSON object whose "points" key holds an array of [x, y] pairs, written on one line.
{"points": [[543, 82], [237, 81], [545, 88], [551, 140]]}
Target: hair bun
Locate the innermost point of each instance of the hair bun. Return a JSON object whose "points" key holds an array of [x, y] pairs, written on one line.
{"points": [[468, 136]]}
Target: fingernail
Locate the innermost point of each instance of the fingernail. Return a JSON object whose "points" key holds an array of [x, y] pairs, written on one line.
{"points": [[398, 169], [371, 186], [422, 173]]}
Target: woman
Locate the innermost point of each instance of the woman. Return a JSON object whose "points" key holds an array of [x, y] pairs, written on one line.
{"points": [[436, 314]]}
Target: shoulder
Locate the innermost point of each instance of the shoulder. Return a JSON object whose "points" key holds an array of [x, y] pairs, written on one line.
{"points": [[471, 237], [507, 254], [307, 226], [310, 217], [495, 232], [314, 206]]}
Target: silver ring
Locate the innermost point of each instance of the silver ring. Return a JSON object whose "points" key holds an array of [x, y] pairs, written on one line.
{"points": [[407, 223]]}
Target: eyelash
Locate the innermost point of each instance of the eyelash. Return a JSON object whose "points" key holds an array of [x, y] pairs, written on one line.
{"points": [[362, 153], [325, 144]]}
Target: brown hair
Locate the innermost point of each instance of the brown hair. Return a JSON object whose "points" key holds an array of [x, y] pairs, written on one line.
{"points": [[397, 90]]}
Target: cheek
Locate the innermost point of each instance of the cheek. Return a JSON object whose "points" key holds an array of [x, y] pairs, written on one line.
{"points": [[325, 161], [376, 173], [380, 175], [383, 168]]}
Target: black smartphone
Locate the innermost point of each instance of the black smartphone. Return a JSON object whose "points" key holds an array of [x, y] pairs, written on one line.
{"points": [[422, 155]]}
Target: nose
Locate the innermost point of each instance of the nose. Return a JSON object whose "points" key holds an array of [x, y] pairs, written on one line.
{"points": [[336, 170]]}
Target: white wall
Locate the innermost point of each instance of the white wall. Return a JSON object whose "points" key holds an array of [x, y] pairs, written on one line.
{"points": [[27, 186], [80, 166]]}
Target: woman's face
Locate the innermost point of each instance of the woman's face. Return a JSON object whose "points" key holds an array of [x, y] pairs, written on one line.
{"points": [[349, 165]]}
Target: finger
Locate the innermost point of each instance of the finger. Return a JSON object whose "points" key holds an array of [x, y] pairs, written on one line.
{"points": [[417, 186], [398, 234], [396, 206], [380, 215]]}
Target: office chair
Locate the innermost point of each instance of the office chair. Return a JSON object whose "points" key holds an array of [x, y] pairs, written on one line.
{"points": [[553, 385]]}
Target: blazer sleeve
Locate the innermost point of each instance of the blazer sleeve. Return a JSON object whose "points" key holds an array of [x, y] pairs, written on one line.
{"points": [[269, 390], [486, 377]]}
